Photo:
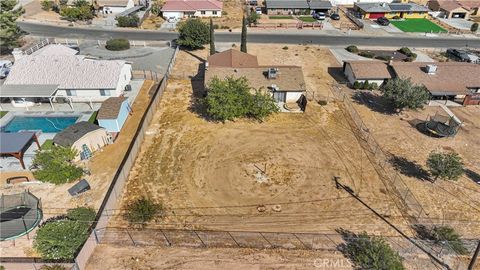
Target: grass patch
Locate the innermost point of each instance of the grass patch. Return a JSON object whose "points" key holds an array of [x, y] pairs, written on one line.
{"points": [[418, 26], [307, 19], [280, 17], [93, 117], [2, 113]]}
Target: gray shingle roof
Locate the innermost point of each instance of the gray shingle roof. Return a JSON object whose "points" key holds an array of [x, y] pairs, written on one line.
{"points": [[390, 7], [110, 108], [73, 133]]}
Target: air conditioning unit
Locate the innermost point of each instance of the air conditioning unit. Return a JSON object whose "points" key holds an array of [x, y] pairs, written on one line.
{"points": [[431, 69], [272, 73]]}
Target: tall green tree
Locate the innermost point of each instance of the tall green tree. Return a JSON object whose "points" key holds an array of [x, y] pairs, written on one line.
{"points": [[212, 38], [193, 34], [10, 33], [243, 42], [447, 166], [404, 94], [54, 165]]}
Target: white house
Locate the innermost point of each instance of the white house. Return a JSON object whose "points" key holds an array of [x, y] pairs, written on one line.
{"points": [[56, 71], [192, 8], [114, 6]]}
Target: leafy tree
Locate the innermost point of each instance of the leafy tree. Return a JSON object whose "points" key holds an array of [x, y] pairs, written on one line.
{"points": [[404, 94], [212, 38], [55, 165], [47, 5], [253, 18], [448, 236], [156, 8], [262, 105], [371, 252], [227, 99], [128, 21], [243, 41], [142, 210], [77, 13], [193, 34], [81, 214], [10, 33], [474, 27], [445, 165]]}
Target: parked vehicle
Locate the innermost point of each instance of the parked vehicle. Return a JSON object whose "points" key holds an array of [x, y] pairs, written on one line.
{"points": [[383, 21], [5, 66], [319, 16], [335, 17], [459, 55], [172, 19], [258, 10]]}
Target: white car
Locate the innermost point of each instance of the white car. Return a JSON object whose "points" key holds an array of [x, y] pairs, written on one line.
{"points": [[5, 66], [320, 16]]}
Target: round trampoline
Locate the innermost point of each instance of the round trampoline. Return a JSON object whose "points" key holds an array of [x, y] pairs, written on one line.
{"points": [[19, 214]]}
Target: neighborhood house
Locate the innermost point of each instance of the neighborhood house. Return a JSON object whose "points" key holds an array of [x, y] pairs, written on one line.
{"points": [[390, 10], [285, 83], [84, 137], [455, 81], [114, 6], [192, 8], [451, 9], [296, 7], [55, 73], [113, 113]]}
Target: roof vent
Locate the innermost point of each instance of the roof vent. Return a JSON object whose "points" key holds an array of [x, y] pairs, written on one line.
{"points": [[272, 73], [431, 69]]}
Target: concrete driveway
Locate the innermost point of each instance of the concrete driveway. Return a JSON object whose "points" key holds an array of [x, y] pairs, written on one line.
{"points": [[461, 24]]}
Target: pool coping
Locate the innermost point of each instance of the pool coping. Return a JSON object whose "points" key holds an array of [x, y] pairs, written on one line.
{"points": [[82, 116]]}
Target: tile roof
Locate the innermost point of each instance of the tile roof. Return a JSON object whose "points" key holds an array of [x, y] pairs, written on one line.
{"points": [[67, 71], [110, 108], [450, 5], [73, 133], [391, 7], [450, 77], [363, 70], [289, 78], [232, 58], [192, 5]]}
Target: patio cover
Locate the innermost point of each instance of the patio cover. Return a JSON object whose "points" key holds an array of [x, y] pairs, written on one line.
{"points": [[28, 90], [14, 144]]}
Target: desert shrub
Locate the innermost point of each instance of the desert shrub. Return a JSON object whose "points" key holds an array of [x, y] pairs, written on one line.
{"points": [[402, 93], [224, 13], [142, 210], [357, 85], [53, 267], [367, 54], [373, 86], [474, 27], [448, 236], [63, 2], [448, 166], [352, 49], [77, 13], [371, 252], [396, 17], [128, 21], [411, 56], [81, 214], [366, 84], [47, 5], [405, 50], [253, 18], [119, 44], [193, 34], [285, 48], [81, 3], [54, 165]]}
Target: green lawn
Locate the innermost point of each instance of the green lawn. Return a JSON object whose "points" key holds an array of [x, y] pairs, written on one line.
{"points": [[307, 19], [280, 17], [2, 113], [418, 25]]}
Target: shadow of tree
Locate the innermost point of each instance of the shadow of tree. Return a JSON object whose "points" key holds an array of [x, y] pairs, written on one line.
{"points": [[409, 168], [422, 231], [475, 177], [373, 101]]}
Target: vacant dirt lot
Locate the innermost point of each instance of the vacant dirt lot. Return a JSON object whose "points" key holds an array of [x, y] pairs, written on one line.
{"points": [[456, 203], [210, 175]]}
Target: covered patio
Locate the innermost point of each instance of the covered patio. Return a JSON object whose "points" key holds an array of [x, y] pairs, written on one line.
{"points": [[15, 144]]}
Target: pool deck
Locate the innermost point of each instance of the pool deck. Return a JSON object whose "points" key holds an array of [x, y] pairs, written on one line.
{"points": [[8, 163]]}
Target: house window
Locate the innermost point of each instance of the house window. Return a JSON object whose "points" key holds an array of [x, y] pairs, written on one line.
{"points": [[214, 12], [71, 93], [104, 92], [202, 12]]}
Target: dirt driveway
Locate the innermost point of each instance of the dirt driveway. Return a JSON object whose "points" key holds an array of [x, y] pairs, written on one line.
{"points": [[209, 175]]}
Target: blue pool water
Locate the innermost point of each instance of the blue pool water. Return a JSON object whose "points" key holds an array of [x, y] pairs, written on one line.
{"points": [[45, 124]]}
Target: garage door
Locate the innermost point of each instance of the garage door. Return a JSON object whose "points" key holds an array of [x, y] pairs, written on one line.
{"points": [[376, 15]]}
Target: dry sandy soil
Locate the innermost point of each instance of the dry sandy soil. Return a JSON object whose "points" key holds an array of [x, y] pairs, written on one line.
{"points": [[206, 173], [232, 14], [56, 200]]}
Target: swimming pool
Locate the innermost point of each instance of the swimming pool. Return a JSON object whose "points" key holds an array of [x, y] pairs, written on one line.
{"points": [[52, 124]]}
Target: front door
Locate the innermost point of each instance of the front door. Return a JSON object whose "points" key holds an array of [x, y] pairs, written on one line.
{"points": [[279, 96]]}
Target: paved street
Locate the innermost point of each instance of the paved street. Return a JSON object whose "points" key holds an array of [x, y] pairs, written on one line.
{"points": [[256, 37]]}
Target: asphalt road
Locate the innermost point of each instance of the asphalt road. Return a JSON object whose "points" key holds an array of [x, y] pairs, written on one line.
{"points": [[282, 38]]}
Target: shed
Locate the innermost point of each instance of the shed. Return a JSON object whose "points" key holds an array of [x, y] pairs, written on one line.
{"points": [[113, 113], [15, 144], [83, 136]]}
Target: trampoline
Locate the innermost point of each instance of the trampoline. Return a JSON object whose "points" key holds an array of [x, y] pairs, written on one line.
{"points": [[442, 126], [19, 214]]}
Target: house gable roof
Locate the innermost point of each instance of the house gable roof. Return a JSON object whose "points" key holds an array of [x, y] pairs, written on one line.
{"points": [[298, 4], [192, 5], [391, 7], [369, 70], [232, 58]]}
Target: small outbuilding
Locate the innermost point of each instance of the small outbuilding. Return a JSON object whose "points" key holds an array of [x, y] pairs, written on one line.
{"points": [[113, 113], [83, 136]]}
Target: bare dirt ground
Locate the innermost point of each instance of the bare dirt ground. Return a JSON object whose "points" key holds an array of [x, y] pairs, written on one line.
{"points": [[55, 198], [231, 15], [152, 23], [206, 173], [454, 203], [184, 258]]}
